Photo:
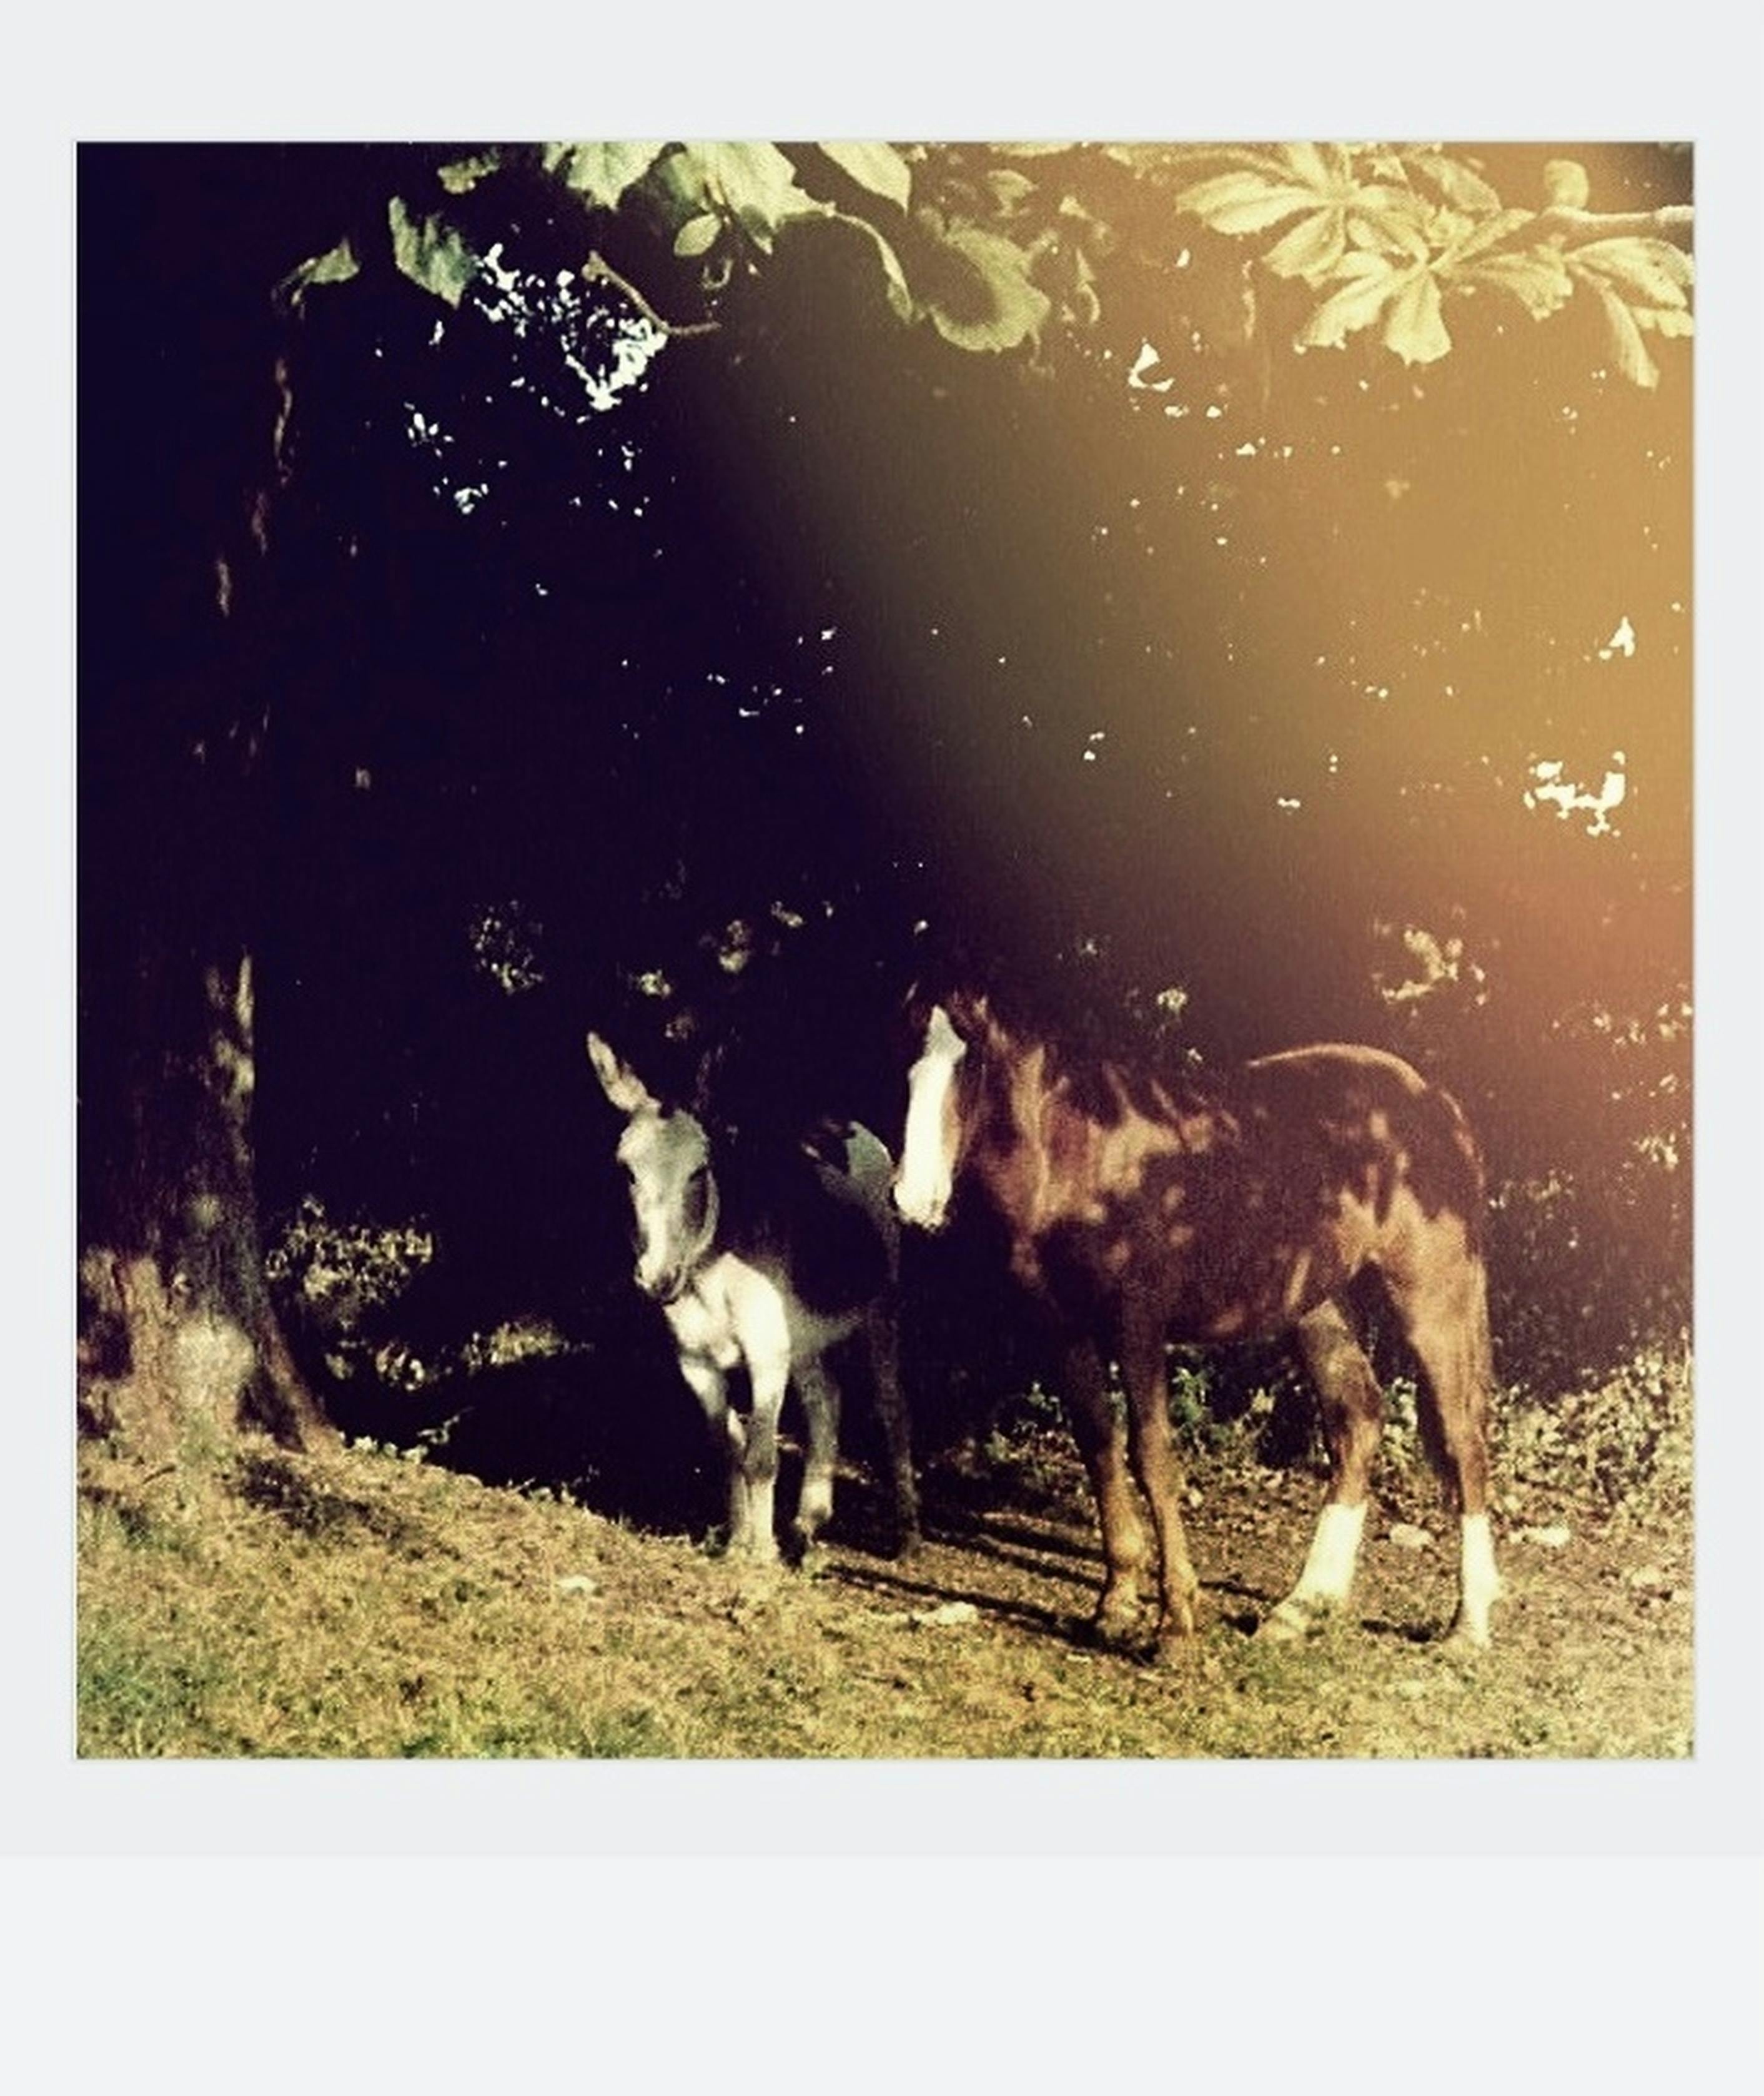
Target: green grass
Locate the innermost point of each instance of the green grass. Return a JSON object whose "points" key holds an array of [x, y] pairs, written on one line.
{"points": [[243, 1602]]}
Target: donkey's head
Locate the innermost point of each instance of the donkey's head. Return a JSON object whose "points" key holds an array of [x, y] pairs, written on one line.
{"points": [[666, 1155]]}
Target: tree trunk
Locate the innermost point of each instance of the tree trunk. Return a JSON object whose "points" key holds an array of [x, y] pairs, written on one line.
{"points": [[178, 1326], [181, 667]]}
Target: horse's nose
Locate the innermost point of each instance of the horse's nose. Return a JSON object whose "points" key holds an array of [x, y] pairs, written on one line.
{"points": [[916, 1206]]}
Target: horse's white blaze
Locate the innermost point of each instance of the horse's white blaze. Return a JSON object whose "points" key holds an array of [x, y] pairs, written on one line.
{"points": [[1479, 1583], [922, 1185]]}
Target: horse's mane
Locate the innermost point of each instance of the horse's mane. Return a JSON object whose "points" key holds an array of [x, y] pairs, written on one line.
{"points": [[1092, 1047]]}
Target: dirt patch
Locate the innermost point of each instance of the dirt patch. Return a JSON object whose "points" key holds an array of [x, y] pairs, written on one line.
{"points": [[361, 1605]]}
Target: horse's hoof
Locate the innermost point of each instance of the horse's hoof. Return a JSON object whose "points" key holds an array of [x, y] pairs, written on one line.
{"points": [[1294, 1621]]}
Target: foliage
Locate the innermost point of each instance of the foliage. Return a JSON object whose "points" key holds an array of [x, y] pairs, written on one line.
{"points": [[1624, 1447], [999, 246], [723, 669], [1387, 237], [341, 1273]]}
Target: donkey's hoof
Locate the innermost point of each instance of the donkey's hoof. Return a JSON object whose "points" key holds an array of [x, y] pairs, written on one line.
{"points": [[1175, 1645], [806, 1554], [1119, 1624], [1178, 1627], [750, 1549]]}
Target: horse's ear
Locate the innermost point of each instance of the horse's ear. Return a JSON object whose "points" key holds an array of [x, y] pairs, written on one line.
{"points": [[969, 1013], [621, 1083]]}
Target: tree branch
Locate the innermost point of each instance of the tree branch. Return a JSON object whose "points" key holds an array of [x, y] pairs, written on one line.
{"points": [[595, 269], [1671, 219]]}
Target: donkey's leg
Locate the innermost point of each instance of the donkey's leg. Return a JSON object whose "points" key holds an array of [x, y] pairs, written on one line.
{"points": [[1352, 1407], [710, 1386], [764, 1336], [1446, 1315], [1159, 1470], [882, 1334], [1102, 1440], [820, 1402]]}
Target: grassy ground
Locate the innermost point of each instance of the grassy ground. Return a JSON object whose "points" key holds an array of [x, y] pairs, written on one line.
{"points": [[239, 1600]]}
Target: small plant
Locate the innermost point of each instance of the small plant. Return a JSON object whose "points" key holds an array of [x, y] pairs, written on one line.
{"points": [[1626, 1445], [339, 1273]]}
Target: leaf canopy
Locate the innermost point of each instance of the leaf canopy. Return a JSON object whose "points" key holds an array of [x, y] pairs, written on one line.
{"points": [[877, 167]]}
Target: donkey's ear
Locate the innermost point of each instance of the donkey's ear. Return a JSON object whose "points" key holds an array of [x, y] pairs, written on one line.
{"points": [[621, 1083], [708, 1070]]}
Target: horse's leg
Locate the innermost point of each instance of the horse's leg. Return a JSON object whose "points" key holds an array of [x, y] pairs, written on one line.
{"points": [[1102, 1440], [1446, 1317], [820, 1402], [1159, 1470], [710, 1386], [883, 1338], [1352, 1407]]}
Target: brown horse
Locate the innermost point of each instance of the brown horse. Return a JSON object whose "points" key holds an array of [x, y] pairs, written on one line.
{"points": [[1141, 1207]]}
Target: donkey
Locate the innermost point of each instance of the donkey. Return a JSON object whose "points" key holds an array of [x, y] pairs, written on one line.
{"points": [[1140, 1207], [767, 1263]]}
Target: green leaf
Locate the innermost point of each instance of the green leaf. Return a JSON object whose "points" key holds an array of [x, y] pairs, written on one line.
{"points": [[457, 177], [1668, 321], [1652, 271], [1321, 175], [756, 182], [1372, 282], [1413, 328], [875, 167], [976, 288], [698, 235], [1488, 234], [1011, 187], [900, 298], [1456, 183], [1242, 202], [602, 170], [1629, 352], [337, 265], [1566, 184], [1397, 221], [1538, 278], [1312, 249], [430, 253]]}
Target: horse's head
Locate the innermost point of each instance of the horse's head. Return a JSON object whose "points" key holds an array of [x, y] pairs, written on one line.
{"points": [[665, 1153], [938, 1102]]}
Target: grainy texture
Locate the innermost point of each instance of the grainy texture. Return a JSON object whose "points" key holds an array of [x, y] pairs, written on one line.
{"points": [[359, 1604]]}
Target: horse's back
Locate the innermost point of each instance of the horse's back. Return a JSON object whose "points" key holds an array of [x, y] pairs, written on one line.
{"points": [[1366, 1112]]}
